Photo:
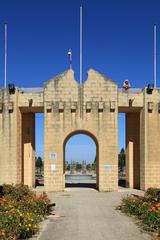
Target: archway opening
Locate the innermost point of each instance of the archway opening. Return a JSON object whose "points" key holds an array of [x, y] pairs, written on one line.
{"points": [[122, 150], [81, 161], [129, 149], [39, 149]]}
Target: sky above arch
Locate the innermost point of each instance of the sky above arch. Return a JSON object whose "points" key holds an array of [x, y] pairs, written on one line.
{"points": [[117, 41]]}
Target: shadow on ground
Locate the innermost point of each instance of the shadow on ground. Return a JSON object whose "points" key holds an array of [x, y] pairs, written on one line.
{"points": [[81, 185], [122, 183]]}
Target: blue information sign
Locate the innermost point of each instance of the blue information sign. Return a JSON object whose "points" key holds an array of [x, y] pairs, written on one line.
{"points": [[108, 166], [53, 156]]}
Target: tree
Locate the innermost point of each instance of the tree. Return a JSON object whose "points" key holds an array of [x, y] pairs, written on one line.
{"points": [[93, 167], [78, 166], [89, 167], [39, 164], [122, 159]]}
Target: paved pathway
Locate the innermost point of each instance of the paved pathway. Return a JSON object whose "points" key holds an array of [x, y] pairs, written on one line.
{"points": [[88, 214]]}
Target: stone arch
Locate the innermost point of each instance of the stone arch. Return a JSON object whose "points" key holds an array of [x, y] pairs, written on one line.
{"points": [[94, 138]]}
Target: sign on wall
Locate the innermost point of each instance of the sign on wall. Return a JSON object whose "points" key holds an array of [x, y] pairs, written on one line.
{"points": [[53, 167], [108, 166], [53, 156]]}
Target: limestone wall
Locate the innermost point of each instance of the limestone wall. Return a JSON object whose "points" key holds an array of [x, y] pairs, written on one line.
{"points": [[150, 140], [10, 139], [91, 108], [63, 100]]}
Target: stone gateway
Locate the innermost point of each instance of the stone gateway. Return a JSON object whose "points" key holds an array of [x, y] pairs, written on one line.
{"points": [[91, 108]]}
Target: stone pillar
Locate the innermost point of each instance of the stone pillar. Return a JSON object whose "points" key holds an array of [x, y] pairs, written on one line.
{"points": [[28, 148], [108, 151], [53, 150], [133, 150], [150, 140], [129, 164], [9, 138]]}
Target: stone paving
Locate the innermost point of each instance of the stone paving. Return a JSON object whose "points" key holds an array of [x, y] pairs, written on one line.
{"points": [[83, 214]]}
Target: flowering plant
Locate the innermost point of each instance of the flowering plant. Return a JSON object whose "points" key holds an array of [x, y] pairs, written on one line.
{"points": [[146, 208], [20, 212]]}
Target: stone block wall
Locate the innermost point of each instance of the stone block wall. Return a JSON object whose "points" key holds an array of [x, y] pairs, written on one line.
{"points": [[63, 116], [10, 138], [92, 109], [150, 141]]}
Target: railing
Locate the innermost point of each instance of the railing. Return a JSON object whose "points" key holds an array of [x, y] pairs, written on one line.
{"points": [[131, 90], [31, 90], [40, 90]]}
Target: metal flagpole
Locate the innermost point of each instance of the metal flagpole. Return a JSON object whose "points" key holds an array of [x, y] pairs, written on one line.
{"points": [[70, 58], [155, 56], [81, 61], [5, 57], [81, 42]]}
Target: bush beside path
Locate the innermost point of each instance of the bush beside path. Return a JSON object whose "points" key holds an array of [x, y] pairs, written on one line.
{"points": [[146, 208], [21, 211]]}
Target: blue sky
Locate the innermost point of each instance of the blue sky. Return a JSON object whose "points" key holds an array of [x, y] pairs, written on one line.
{"points": [[86, 148], [118, 41]]}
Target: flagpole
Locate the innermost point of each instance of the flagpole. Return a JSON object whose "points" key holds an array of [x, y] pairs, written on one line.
{"points": [[70, 58], [5, 57], [155, 56], [81, 42]]}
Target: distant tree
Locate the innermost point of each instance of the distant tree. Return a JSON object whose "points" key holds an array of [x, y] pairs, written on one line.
{"points": [[68, 167], [39, 164], [78, 166], [93, 167], [89, 167], [122, 159]]}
